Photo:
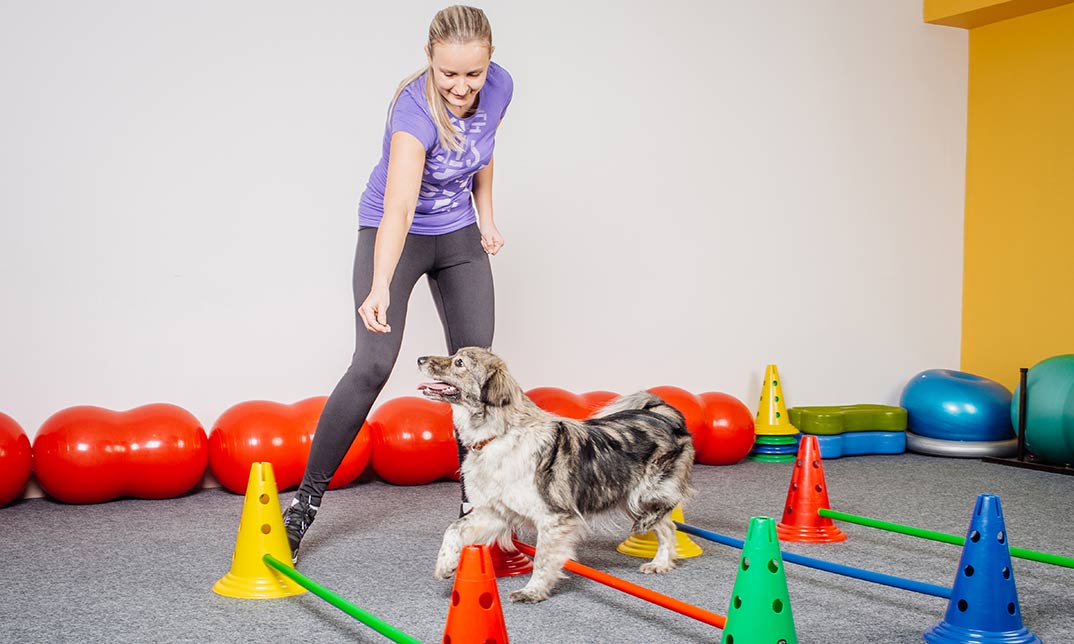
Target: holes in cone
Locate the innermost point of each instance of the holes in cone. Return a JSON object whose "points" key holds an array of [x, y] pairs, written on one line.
{"points": [[818, 488], [265, 528], [454, 598], [962, 605], [773, 565], [729, 639], [816, 464], [447, 639], [1000, 537], [782, 642], [775, 383], [968, 570], [745, 563], [794, 486], [798, 462], [975, 536], [1006, 572], [738, 602], [485, 600], [777, 606], [778, 415], [777, 398], [1010, 608], [789, 510], [264, 499]]}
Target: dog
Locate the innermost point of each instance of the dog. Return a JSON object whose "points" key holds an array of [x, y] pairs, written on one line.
{"points": [[526, 467]]}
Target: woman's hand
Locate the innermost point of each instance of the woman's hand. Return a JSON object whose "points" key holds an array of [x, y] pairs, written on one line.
{"points": [[491, 239], [374, 310]]}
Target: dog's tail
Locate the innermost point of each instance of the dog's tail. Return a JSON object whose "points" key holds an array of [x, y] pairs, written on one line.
{"points": [[642, 400]]}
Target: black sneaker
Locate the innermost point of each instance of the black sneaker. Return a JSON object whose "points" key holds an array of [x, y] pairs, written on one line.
{"points": [[297, 518]]}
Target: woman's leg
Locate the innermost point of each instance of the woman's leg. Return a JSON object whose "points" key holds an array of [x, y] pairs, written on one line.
{"points": [[462, 289], [371, 364]]}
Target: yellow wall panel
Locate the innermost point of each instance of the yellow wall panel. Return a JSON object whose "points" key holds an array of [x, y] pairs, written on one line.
{"points": [[1018, 285], [976, 13]]}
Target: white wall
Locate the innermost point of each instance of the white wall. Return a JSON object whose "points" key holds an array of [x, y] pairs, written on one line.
{"points": [[689, 191]]}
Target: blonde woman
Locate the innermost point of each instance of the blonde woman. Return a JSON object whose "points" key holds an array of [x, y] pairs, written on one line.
{"points": [[426, 210]]}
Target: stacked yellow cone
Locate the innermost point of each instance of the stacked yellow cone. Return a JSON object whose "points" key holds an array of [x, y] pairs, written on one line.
{"points": [[772, 418], [261, 532], [645, 545]]}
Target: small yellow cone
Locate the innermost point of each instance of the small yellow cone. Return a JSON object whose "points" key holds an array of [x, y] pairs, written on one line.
{"points": [[260, 532], [772, 417], [645, 545]]}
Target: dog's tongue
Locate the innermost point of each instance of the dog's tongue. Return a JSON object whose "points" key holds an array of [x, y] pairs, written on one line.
{"points": [[437, 387]]}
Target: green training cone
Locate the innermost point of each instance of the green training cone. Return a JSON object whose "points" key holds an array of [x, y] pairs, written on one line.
{"points": [[760, 609]]}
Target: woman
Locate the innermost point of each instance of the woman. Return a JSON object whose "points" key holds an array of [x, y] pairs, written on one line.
{"points": [[417, 217]]}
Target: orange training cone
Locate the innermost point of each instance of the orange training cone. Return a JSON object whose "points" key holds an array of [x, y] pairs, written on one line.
{"points": [[475, 615], [645, 545], [260, 532], [772, 418], [807, 494]]}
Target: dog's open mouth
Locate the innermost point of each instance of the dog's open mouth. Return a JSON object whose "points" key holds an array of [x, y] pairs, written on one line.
{"points": [[440, 390]]}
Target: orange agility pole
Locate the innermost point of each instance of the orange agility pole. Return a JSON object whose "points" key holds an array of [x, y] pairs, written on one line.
{"points": [[681, 607]]}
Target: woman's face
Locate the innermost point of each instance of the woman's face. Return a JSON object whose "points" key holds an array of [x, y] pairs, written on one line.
{"points": [[459, 72]]}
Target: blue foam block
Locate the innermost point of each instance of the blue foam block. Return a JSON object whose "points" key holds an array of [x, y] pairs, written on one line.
{"points": [[859, 443]]}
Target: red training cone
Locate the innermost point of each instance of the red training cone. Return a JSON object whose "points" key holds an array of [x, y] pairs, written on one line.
{"points": [[476, 615], [807, 494], [509, 564]]}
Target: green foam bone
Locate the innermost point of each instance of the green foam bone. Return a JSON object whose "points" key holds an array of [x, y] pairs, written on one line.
{"points": [[832, 420]]}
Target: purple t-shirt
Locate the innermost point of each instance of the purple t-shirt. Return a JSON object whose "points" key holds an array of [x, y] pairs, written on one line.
{"points": [[445, 201]]}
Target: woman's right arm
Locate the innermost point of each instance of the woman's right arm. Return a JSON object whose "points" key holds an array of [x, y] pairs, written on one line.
{"points": [[406, 162]]}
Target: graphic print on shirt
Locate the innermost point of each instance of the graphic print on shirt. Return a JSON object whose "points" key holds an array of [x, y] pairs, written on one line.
{"points": [[447, 164]]}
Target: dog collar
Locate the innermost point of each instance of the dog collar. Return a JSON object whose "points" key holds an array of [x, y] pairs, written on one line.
{"points": [[477, 446]]}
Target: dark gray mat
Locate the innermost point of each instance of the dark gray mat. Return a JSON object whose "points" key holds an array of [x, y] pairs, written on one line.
{"points": [[143, 571]]}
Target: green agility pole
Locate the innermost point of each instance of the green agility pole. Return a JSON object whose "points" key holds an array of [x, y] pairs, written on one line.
{"points": [[1022, 553], [380, 626]]}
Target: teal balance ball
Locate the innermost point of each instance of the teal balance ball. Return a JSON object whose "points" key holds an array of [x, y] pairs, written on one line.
{"points": [[956, 406], [1049, 409]]}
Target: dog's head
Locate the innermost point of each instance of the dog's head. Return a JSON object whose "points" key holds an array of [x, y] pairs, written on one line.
{"points": [[474, 378]]}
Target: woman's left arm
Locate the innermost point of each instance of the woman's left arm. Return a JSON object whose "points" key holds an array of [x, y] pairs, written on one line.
{"points": [[491, 240]]}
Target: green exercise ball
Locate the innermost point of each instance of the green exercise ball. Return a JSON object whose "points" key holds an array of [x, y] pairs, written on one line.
{"points": [[1049, 409]]}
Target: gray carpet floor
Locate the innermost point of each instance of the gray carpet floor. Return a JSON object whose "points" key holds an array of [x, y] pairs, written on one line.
{"points": [[142, 571]]}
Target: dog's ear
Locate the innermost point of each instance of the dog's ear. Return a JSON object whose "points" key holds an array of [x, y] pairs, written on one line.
{"points": [[497, 390]]}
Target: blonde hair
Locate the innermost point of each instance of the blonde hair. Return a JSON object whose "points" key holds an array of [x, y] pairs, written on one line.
{"points": [[455, 24]]}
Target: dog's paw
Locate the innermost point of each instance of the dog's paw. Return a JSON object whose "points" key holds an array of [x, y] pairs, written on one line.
{"points": [[656, 569], [528, 596], [443, 571]]}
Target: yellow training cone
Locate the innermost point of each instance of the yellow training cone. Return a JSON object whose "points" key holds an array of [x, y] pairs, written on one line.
{"points": [[260, 532], [645, 545], [772, 417]]}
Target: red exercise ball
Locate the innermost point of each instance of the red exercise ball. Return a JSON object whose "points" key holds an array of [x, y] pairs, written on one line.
{"points": [[15, 459], [89, 454], [263, 431], [414, 441], [594, 401], [691, 408], [560, 402], [730, 429]]}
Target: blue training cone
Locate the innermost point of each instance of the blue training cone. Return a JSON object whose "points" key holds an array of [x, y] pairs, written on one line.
{"points": [[984, 601]]}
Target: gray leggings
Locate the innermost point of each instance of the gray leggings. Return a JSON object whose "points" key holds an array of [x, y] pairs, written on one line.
{"points": [[460, 278]]}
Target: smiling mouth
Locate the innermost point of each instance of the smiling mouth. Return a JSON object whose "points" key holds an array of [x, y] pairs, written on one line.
{"points": [[438, 390]]}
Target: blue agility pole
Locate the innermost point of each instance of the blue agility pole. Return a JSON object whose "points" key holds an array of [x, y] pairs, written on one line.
{"points": [[827, 566]]}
